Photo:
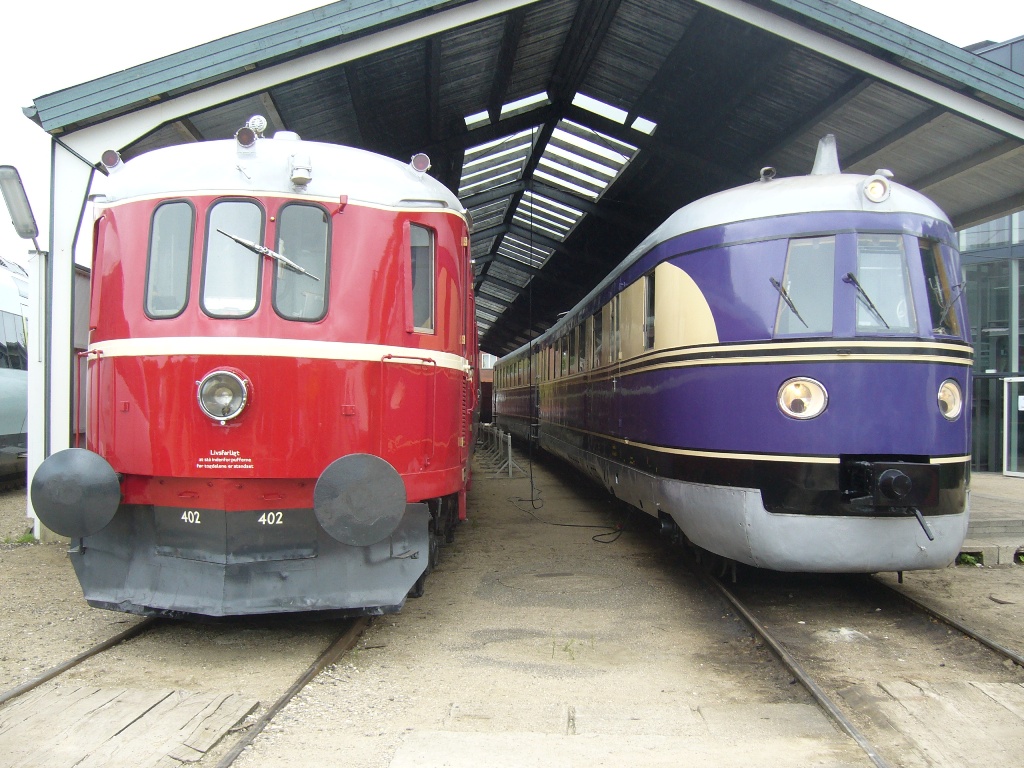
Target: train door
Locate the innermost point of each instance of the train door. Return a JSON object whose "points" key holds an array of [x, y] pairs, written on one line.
{"points": [[1013, 422]]}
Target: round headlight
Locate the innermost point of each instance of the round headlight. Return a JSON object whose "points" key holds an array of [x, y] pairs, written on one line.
{"points": [[802, 398], [876, 188], [222, 395], [951, 400]]}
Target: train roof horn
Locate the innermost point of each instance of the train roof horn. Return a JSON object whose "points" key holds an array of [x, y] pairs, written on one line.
{"points": [[826, 160]]}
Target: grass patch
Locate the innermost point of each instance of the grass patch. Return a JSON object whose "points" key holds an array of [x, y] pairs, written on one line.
{"points": [[25, 538]]}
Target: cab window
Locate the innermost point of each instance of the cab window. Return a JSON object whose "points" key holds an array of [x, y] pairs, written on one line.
{"points": [[882, 285], [170, 258], [421, 258], [805, 290], [231, 271], [942, 295], [303, 234]]}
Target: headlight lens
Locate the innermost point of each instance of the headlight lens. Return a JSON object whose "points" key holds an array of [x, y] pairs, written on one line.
{"points": [[876, 188], [802, 398], [222, 395], [951, 399]]}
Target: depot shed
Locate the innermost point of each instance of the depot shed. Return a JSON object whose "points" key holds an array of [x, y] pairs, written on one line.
{"points": [[568, 128]]}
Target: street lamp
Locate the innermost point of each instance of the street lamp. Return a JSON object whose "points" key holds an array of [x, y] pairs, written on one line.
{"points": [[17, 204]]}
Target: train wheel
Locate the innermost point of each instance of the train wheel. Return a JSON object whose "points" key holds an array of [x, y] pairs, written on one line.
{"points": [[433, 556]]}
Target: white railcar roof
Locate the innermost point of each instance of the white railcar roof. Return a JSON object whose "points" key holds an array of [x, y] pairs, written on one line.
{"points": [[217, 167], [839, 192]]}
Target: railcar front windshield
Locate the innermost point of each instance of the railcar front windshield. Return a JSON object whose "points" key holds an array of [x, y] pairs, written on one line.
{"points": [[882, 284], [302, 237], [805, 291], [231, 272]]}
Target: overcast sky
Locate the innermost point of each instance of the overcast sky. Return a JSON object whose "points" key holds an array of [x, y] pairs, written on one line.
{"points": [[52, 46]]}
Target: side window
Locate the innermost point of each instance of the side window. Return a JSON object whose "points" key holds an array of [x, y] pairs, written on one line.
{"points": [[231, 272], [882, 285], [586, 342], [597, 338], [941, 295], [421, 241], [649, 311], [15, 351], [303, 234], [170, 259], [805, 291], [572, 349]]}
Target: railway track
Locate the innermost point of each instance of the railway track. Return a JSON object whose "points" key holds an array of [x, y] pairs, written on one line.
{"points": [[55, 671], [853, 692], [342, 640]]}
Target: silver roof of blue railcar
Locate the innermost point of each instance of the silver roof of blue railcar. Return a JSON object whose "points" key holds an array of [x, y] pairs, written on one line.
{"points": [[221, 167], [769, 198]]}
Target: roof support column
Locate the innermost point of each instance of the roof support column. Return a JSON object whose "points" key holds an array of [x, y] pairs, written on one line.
{"points": [[50, 384]]}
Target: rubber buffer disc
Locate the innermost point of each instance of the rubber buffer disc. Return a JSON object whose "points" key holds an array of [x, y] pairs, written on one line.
{"points": [[359, 499], [75, 493]]}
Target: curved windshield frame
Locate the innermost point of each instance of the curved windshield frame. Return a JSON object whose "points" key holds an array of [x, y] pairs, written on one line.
{"points": [[303, 237], [885, 302], [169, 265], [231, 272]]}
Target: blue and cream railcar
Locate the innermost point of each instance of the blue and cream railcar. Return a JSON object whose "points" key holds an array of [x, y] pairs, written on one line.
{"points": [[781, 370]]}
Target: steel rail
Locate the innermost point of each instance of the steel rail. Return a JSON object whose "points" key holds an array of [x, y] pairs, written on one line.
{"points": [[1002, 650], [143, 626], [334, 651], [823, 699]]}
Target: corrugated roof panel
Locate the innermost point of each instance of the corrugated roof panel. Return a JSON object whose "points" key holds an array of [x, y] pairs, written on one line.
{"points": [[524, 251], [489, 215], [544, 31], [500, 292], [479, 247], [642, 34], [930, 146], [485, 303], [982, 187], [509, 274], [497, 162], [217, 60], [469, 56]]}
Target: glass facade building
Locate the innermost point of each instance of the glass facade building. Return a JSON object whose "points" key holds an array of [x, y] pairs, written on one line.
{"points": [[992, 254]]}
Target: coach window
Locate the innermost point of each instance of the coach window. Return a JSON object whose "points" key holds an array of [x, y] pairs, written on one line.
{"points": [[805, 291], [303, 232], [882, 285], [941, 295], [421, 255], [586, 343], [231, 273], [597, 338], [649, 311], [170, 256]]}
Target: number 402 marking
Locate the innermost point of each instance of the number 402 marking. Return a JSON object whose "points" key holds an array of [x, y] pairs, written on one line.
{"points": [[271, 518], [191, 516]]}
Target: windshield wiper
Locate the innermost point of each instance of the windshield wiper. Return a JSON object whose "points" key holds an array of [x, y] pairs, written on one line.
{"points": [[851, 278], [946, 310], [785, 297], [264, 251]]}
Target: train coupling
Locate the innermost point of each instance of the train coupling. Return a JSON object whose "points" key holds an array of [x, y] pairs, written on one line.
{"points": [[901, 484]]}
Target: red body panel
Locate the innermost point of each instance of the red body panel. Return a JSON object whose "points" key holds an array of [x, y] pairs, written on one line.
{"points": [[402, 398]]}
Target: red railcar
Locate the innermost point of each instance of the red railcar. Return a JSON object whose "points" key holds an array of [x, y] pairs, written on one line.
{"points": [[281, 382]]}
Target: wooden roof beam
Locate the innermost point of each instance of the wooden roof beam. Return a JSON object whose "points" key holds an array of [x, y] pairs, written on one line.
{"points": [[514, 23]]}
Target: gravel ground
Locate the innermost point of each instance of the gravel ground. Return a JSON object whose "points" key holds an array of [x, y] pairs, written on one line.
{"points": [[531, 632]]}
